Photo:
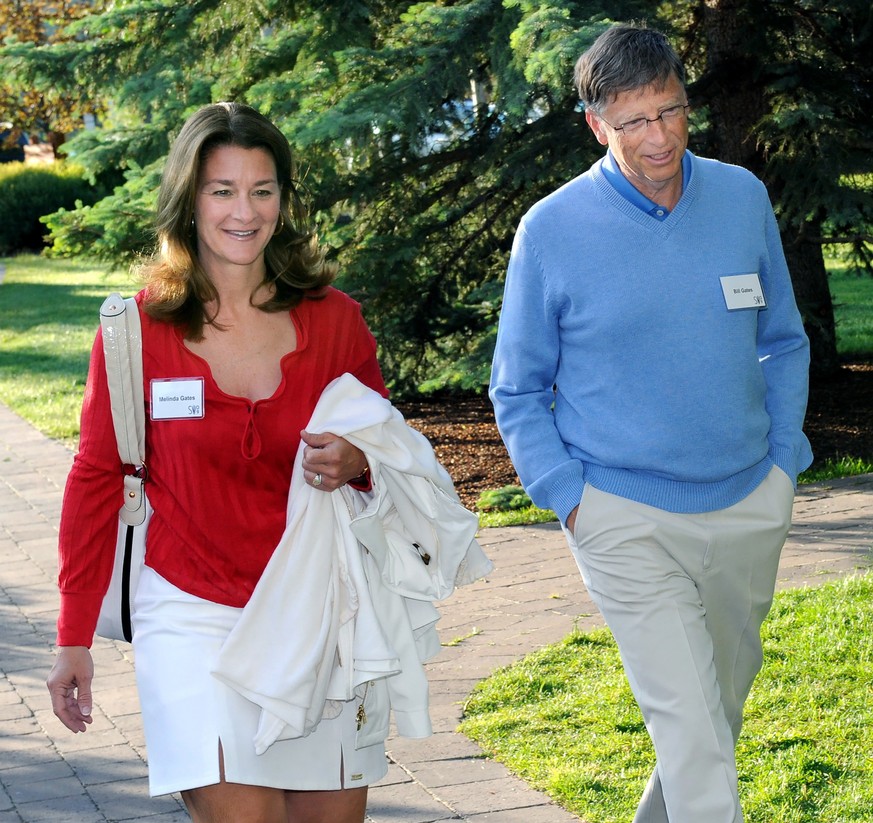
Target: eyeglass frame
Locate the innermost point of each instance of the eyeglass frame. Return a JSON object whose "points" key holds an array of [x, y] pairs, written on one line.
{"points": [[640, 129]]}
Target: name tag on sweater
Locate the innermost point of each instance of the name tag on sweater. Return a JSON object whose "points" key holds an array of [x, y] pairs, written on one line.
{"points": [[177, 399], [743, 291]]}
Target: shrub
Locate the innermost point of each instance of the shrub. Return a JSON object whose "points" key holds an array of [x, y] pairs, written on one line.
{"points": [[505, 499], [29, 192]]}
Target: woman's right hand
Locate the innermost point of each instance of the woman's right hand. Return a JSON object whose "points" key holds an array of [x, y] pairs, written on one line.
{"points": [[69, 684]]}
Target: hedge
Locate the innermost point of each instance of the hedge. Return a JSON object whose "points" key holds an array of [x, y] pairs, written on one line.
{"points": [[29, 192]]}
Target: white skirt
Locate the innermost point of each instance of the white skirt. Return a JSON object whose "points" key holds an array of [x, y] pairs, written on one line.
{"points": [[187, 712]]}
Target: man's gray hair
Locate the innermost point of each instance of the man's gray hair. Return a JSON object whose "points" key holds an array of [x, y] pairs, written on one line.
{"points": [[625, 57]]}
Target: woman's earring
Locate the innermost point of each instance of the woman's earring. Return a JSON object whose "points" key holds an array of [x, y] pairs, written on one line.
{"points": [[280, 224]]}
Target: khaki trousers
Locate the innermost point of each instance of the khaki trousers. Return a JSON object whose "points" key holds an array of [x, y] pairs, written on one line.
{"points": [[685, 596]]}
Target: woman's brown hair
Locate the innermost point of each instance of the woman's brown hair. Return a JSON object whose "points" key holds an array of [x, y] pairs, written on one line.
{"points": [[178, 288]]}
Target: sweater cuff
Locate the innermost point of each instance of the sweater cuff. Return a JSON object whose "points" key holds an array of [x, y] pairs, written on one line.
{"points": [[78, 619], [792, 460], [566, 498], [560, 490]]}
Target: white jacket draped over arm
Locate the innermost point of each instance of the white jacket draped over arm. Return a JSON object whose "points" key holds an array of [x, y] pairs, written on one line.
{"points": [[345, 605]]}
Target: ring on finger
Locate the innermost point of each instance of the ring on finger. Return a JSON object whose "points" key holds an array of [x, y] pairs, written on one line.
{"points": [[317, 480]]}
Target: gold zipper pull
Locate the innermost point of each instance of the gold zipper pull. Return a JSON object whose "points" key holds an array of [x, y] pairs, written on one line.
{"points": [[361, 714]]}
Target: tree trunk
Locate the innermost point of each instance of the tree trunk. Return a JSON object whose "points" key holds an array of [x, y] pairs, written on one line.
{"points": [[56, 139], [813, 295], [733, 88], [735, 91]]}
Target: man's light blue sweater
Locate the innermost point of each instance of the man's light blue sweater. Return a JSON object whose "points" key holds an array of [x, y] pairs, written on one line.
{"points": [[618, 362]]}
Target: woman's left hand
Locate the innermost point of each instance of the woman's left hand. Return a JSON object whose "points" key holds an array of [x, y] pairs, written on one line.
{"points": [[329, 461]]}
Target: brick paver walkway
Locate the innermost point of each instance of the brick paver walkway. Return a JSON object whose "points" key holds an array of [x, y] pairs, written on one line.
{"points": [[534, 597]]}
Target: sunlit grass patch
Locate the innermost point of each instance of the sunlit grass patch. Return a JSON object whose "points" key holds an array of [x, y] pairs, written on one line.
{"points": [[565, 721]]}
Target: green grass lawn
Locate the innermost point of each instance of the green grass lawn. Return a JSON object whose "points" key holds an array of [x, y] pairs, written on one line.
{"points": [[565, 720], [853, 310], [49, 314]]}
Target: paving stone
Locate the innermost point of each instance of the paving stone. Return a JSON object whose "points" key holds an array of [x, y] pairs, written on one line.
{"points": [[43, 790], [533, 597], [126, 799], [6, 804], [531, 814], [406, 803], [498, 794], [79, 808]]}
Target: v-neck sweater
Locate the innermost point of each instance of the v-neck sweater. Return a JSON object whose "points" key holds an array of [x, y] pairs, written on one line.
{"points": [[219, 484], [618, 362]]}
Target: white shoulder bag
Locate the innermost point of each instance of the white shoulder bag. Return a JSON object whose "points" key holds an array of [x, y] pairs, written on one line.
{"points": [[122, 348]]}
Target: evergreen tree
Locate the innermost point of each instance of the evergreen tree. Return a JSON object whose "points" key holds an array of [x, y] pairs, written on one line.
{"points": [[42, 107], [425, 130]]}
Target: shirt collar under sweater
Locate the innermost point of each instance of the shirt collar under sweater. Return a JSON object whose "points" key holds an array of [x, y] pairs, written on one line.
{"points": [[626, 189]]}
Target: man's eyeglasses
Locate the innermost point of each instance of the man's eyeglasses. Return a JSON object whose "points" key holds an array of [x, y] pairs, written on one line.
{"points": [[640, 124]]}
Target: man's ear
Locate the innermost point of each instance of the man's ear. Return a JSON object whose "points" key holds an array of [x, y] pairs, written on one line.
{"points": [[597, 126]]}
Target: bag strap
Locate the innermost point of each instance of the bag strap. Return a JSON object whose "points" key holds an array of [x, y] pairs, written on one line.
{"points": [[122, 350]]}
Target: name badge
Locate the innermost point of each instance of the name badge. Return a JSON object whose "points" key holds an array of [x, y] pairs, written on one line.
{"points": [[743, 291], [177, 398]]}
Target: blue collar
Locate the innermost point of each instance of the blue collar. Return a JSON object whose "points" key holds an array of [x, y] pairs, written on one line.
{"points": [[623, 186]]}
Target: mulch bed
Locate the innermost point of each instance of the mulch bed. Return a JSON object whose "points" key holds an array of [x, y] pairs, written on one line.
{"points": [[839, 423]]}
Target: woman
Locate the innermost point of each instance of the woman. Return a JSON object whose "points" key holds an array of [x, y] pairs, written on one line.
{"points": [[238, 303]]}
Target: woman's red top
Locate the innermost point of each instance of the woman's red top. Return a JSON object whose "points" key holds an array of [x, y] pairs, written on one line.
{"points": [[218, 484]]}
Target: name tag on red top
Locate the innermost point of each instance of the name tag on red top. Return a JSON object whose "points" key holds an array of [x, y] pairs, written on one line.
{"points": [[178, 398], [743, 291]]}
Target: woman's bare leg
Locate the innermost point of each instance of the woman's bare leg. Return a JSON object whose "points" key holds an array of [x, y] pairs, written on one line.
{"points": [[235, 803], [343, 806]]}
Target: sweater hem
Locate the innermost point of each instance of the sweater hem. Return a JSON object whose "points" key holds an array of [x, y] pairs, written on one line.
{"points": [[678, 496]]}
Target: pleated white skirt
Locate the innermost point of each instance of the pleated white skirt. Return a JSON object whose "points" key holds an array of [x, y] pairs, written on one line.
{"points": [[187, 712]]}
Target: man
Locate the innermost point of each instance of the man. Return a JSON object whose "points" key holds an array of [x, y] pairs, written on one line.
{"points": [[650, 382]]}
